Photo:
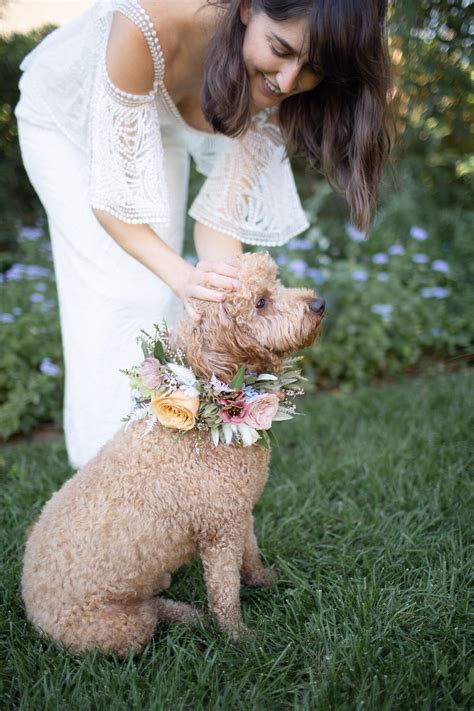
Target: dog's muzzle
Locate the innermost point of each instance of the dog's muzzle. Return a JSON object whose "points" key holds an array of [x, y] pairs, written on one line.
{"points": [[318, 305]]}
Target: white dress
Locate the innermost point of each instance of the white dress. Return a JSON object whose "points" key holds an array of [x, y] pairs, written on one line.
{"points": [[85, 143]]}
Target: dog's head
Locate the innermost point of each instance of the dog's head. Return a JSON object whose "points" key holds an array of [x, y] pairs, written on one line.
{"points": [[256, 326]]}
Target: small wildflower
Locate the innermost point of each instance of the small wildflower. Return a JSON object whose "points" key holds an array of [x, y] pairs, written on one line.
{"points": [[355, 234], [420, 258], [303, 244], [359, 275], [383, 276], [435, 332], [316, 275], [47, 306], [383, 310], [380, 258], [282, 259], [418, 233], [439, 265], [47, 367], [36, 298], [298, 267], [41, 286], [17, 311], [396, 249], [31, 233], [7, 318]]}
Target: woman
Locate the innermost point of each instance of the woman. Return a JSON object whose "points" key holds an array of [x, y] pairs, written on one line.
{"points": [[112, 106]]}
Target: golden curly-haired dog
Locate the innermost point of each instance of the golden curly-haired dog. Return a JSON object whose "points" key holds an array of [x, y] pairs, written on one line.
{"points": [[106, 542]]}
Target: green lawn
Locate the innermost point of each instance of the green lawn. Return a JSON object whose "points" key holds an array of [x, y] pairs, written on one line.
{"points": [[368, 515]]}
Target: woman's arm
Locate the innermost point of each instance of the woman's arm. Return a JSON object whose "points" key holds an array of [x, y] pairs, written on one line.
{"points": [[201, 282], [212, 244]]}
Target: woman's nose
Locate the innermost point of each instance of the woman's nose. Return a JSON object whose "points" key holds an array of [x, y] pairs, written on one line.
{"points": [[288, 76]]}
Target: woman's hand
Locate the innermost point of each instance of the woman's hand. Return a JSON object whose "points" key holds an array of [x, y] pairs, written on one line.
{"points": [[207, 280]]}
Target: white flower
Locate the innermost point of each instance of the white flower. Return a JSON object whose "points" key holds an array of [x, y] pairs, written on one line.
{"points": [[184, 375], [217, 385], [439, 265], [418, 233], [248, 434]]}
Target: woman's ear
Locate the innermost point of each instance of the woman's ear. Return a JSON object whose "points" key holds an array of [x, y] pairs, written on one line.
{"points": [[245, 11]]}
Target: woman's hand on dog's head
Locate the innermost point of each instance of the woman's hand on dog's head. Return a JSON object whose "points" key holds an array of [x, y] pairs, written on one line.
{"points": [[209, 281]]}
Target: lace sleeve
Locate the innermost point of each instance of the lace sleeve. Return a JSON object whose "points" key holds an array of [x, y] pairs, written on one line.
{"points": [[250, 193], [126, 172]]}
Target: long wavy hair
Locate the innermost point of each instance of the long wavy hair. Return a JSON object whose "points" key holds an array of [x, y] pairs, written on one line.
{"points": [[344, 128]]}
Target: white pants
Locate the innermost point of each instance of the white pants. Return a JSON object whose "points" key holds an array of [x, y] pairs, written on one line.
{"points": [[105, 296]]}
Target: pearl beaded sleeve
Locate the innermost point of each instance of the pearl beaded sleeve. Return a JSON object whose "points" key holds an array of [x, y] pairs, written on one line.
{"points": [[126, 158]]}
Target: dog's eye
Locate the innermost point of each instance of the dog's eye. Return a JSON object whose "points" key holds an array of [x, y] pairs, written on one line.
{"points": [[261, 303]]}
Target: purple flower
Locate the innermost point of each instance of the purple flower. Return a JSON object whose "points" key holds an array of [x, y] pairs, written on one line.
{"points": [[396, 249], [7, 318], [281, 259], [31, 233], [34, 271], [418, 233], [439, 265], [383, 276], [359, 275], [420, 258], [47, 367], [2, 278], [36, 298], [383, 310], [298, 267], [316, 275], [437, 292], [17, 311], [41, 286], [47, 305], [380, 258], [15, 273], [299, 244], [355, 234]]}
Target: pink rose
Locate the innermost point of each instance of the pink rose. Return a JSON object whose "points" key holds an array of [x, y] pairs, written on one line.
{"points": [[233, 406], [150, 373], [261, 411]]}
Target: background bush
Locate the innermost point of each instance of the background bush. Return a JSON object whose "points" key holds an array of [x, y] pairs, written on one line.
{"points": [[394, 302]]}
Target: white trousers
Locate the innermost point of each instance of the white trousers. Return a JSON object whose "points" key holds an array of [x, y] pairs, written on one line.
{"points": [[105, 296]]}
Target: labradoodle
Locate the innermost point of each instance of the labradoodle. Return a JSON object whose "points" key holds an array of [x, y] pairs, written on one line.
{"points": [[105, 544]]}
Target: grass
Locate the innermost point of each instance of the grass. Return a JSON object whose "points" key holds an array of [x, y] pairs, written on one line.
{"points": [[367, 513]]}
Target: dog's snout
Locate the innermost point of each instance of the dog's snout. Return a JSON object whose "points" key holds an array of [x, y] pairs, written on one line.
{"points": [[318, 305]]}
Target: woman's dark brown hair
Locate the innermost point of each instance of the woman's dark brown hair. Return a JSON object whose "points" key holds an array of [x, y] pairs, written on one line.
{"points": [[344, 127]]}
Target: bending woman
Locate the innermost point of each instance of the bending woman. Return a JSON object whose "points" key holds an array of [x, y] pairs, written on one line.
{"points": [[115, 103]]}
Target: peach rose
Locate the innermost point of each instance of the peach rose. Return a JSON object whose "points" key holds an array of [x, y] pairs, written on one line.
{"points": [[261, 411], [176, 410]]}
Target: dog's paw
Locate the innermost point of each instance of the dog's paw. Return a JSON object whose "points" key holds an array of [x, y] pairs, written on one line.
{"points": [[263, 578]]}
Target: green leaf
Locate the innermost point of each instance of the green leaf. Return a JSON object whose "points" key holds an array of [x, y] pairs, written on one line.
{"points": [[159, 352], [238, 379]]}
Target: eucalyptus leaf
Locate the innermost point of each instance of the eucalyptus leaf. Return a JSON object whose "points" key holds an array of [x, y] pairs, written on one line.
{"points": [[238, 379]]}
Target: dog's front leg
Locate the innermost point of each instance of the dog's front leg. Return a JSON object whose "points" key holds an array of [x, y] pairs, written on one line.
{"points": [[221, 562], [253, 571]]}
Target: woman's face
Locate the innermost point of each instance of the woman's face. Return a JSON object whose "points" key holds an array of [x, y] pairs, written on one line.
{"points": [[276, 58]]}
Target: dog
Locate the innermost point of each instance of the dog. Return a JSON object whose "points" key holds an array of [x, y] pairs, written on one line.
{"points": [[106, 543]]}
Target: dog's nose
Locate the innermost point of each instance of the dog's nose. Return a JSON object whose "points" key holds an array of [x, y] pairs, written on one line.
{"points": [[318, 305]]}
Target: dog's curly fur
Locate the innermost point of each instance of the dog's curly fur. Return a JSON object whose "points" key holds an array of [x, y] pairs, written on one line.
{"points": [[106, 542]]}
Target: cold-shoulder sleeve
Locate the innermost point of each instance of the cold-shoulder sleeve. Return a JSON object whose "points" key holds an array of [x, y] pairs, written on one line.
{"points": [[126, 158], [250, 194]]}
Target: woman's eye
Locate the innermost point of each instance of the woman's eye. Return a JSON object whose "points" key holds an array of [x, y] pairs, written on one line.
{"points": [[277, 53], [261, 303]]}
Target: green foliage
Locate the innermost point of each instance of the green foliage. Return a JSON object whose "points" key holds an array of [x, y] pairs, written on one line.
{"points": [[30, 361], [18, 201]]}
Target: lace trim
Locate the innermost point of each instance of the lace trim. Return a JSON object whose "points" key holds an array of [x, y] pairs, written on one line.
{"points": [[126, 173], [251, 193]]}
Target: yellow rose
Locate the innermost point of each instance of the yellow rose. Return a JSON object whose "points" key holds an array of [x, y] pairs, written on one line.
{"points": [[176, 410]]}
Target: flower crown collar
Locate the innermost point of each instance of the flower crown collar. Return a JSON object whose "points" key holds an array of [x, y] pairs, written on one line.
{"points": [[165, 390]]}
